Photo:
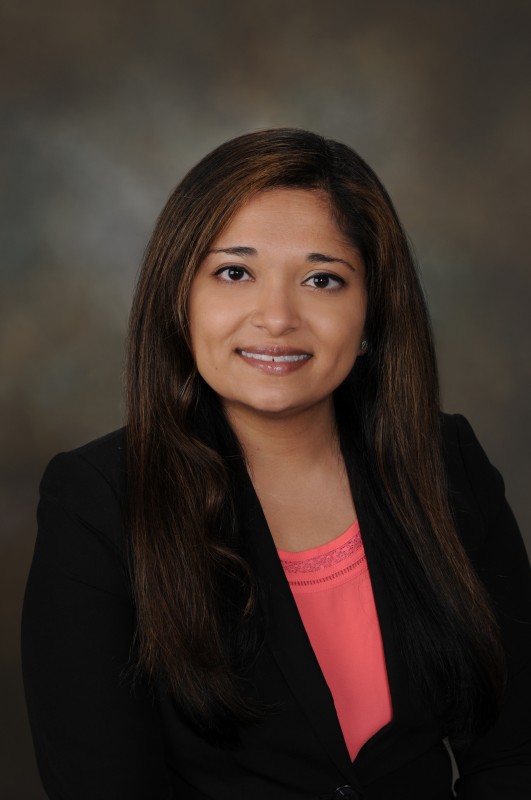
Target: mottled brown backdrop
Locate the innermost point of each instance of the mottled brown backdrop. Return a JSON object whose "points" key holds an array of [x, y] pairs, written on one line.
{"points": [[105, 105]]}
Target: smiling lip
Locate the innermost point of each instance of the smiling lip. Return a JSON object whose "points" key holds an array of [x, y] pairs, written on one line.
{"points": [[274, 360]]}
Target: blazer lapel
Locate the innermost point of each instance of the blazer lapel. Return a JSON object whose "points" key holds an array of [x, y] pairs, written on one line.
{"points": [[285, 632], [406, 703]]}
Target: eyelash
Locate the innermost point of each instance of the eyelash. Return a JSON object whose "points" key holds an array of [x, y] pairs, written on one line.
{"points": [[340, 282], [219, 273]]}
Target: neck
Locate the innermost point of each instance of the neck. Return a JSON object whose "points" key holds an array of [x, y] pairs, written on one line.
{"points": [[294, 439]]}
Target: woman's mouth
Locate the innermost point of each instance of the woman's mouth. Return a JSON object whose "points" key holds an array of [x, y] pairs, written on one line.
{"points": [[274, 360]]}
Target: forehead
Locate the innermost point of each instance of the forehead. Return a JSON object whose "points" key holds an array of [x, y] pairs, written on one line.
{"points": [[283, 214]]}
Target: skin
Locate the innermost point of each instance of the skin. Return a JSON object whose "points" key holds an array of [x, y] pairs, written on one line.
{"points": [[277, 310]]}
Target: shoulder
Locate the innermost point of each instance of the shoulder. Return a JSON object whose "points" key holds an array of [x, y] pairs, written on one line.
{"points": [[470, 473], [98, 466], [476, 492], [83, 495], [105, 455], [475, 487]]}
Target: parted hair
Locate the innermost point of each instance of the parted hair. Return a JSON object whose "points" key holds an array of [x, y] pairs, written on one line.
{"points": [[182, 531]]}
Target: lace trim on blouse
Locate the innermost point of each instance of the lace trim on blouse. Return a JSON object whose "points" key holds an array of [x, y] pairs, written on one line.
{"points": [[328, 564]]}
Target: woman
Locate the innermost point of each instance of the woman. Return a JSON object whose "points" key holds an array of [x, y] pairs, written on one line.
{"points": [[289, 576]]}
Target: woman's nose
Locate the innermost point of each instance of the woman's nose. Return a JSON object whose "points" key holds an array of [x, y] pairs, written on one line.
{"points": [[276, 310]]}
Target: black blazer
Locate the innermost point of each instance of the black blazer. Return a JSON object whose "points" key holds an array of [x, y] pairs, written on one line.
{"points": [[98, 737]]}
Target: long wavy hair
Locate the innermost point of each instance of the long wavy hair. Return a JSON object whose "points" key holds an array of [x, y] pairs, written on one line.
{"points": [[182, 529]]}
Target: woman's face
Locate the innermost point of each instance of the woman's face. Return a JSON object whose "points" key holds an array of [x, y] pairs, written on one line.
{"points": [[277, 307]]}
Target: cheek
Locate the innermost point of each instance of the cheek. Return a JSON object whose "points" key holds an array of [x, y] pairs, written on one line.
{"points": [[344, 337], [344, 330], [211, 335], [213, 317], [204, 321]]}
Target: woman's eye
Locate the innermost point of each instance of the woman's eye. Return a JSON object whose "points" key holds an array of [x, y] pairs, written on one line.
{"points": [[324, 280], [233, 274]]}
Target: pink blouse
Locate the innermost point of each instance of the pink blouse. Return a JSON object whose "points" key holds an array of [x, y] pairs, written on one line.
{"points": [[332, 589]]}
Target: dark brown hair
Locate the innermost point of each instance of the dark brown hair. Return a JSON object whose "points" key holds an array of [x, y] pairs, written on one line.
{"points": [[181, 523]]}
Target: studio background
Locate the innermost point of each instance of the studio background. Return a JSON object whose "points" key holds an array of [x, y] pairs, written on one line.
{"points": [[106, 105]]}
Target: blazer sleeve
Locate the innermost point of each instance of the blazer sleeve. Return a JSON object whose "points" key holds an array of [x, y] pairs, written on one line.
{"points": [[498, 765], [95, 735]]}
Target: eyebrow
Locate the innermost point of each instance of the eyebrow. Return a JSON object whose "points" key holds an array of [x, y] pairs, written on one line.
{"points": [[236, 251], [313, 258], [320, 258]]}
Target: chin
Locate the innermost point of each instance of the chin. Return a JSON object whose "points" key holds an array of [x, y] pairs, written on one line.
{"points": [[273, 407]]}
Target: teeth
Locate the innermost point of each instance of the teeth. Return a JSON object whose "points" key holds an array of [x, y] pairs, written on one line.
{"points": [[264, 357]]}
